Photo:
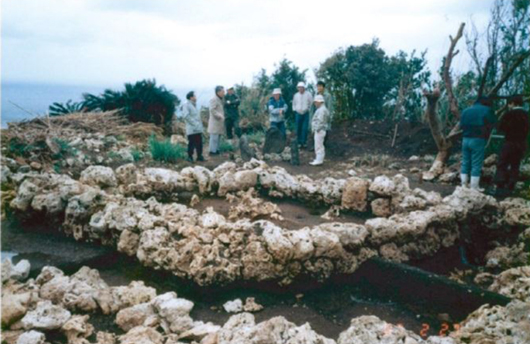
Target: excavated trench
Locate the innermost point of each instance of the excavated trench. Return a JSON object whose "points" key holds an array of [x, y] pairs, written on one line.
{"points": [[420, 300]]}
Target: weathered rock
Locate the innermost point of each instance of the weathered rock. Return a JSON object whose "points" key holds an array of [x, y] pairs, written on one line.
{"points": [[77, 329], [355, 194], [496, 324], [19, 272], [142, 335], [372, 330], [31, 337], [142, 314], [234, 306], [14, 306], [251, 305], [274, 141], [46, 317], [238, 181], [383, 186], [173, 312], [98, 176], [199, 331], [514, 283], [381, 207], [242, 329]]}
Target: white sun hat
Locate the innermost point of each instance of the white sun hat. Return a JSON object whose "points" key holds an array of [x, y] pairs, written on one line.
{"points": [[301, 84], [276, 91], [319, 98]]}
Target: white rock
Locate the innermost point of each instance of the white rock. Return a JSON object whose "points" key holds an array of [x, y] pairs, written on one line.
{"points": [[31, 337], [98, 175], [46, 317], [234, 306]]}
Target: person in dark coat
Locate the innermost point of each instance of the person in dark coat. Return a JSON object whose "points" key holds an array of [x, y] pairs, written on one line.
{"points": [[232, 114], [515, 126], [477, 122]]}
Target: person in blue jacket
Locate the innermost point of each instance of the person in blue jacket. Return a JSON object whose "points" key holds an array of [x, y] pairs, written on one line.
{"points": [[277, 108], [477, 122]]}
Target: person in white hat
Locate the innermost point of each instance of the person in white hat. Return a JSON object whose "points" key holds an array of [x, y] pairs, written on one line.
{"points": [[319, 125], [302, 102], [277, 108]]}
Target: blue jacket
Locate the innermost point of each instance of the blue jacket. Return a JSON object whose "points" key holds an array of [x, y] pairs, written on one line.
{"points": [[274, 108], [477, 121]]}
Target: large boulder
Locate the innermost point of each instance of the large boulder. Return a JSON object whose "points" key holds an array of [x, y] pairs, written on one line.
{"points": [[46, 316], [355, 194], [98, 176]]}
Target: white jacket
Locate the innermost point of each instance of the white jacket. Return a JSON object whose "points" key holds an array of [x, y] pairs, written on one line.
{"points": [[302, 102]]}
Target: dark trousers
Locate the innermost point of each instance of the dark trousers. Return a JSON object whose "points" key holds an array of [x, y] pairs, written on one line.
{"points": [[232, 127], [302, 127], [509, 162], [280, 126], [195, 143]]}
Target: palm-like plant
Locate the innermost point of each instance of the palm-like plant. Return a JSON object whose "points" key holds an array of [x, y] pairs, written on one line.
{"points": [[59, 109]]}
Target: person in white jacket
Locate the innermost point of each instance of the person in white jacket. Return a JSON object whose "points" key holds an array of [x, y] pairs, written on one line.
{"points": [[319, 125], [194, 127], [302, 102]]}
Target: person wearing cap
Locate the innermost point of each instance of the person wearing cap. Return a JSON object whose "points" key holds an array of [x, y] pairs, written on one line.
{"points": [[277, 108], [231, 103], [477, 122], [328, 100], [194, 127], [216, 125], [302, 103], [515, 126], [319, 124]]}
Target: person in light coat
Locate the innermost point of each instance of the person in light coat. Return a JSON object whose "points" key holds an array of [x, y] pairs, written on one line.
{"points": [[194, 127], [302, 102], [216, 121], [319, 125]]}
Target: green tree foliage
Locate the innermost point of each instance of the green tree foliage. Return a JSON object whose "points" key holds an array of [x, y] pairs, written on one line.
{"points": [[363, 79], [254, 98], [142, 101]]}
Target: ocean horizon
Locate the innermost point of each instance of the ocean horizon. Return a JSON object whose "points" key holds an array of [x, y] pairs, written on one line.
{"points": [[24, 101]]}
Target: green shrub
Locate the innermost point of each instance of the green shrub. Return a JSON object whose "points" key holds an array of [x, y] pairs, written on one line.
{"points": [[142, 101], [225, 146], [256, 137], [59, 109], [137, 154], [166, 151]]}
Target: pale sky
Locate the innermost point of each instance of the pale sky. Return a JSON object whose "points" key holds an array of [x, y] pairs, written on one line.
{"points": [[201, 43]]}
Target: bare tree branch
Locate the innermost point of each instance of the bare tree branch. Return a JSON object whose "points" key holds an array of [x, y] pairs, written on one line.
{"points": [[446, 75], [508, 73], [484, 76]]}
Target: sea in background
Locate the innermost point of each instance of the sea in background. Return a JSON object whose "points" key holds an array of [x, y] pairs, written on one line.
{"points": [[36, 98]]}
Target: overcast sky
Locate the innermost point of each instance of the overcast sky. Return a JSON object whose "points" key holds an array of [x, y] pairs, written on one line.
{"points": [[200, 43]]}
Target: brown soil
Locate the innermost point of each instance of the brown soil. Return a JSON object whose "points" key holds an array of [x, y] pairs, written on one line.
{"points": [[296, 214]]}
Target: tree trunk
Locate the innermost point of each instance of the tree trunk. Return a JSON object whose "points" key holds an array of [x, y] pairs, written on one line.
{"points": [[443, 145]]}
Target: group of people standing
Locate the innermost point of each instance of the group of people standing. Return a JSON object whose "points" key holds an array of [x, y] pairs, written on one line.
{"points": [[223, 119], [477, 122], [310, 114], [313, 115]]}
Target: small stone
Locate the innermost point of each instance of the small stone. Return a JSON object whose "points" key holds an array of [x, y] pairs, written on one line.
{"points": [[234, 306], [36, 166]]}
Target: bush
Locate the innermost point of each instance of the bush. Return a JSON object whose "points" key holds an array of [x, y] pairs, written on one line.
{"points": [[256, 137], [143, 101], [59, 109], [166, 151], [225, 146], [137, 154]]}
